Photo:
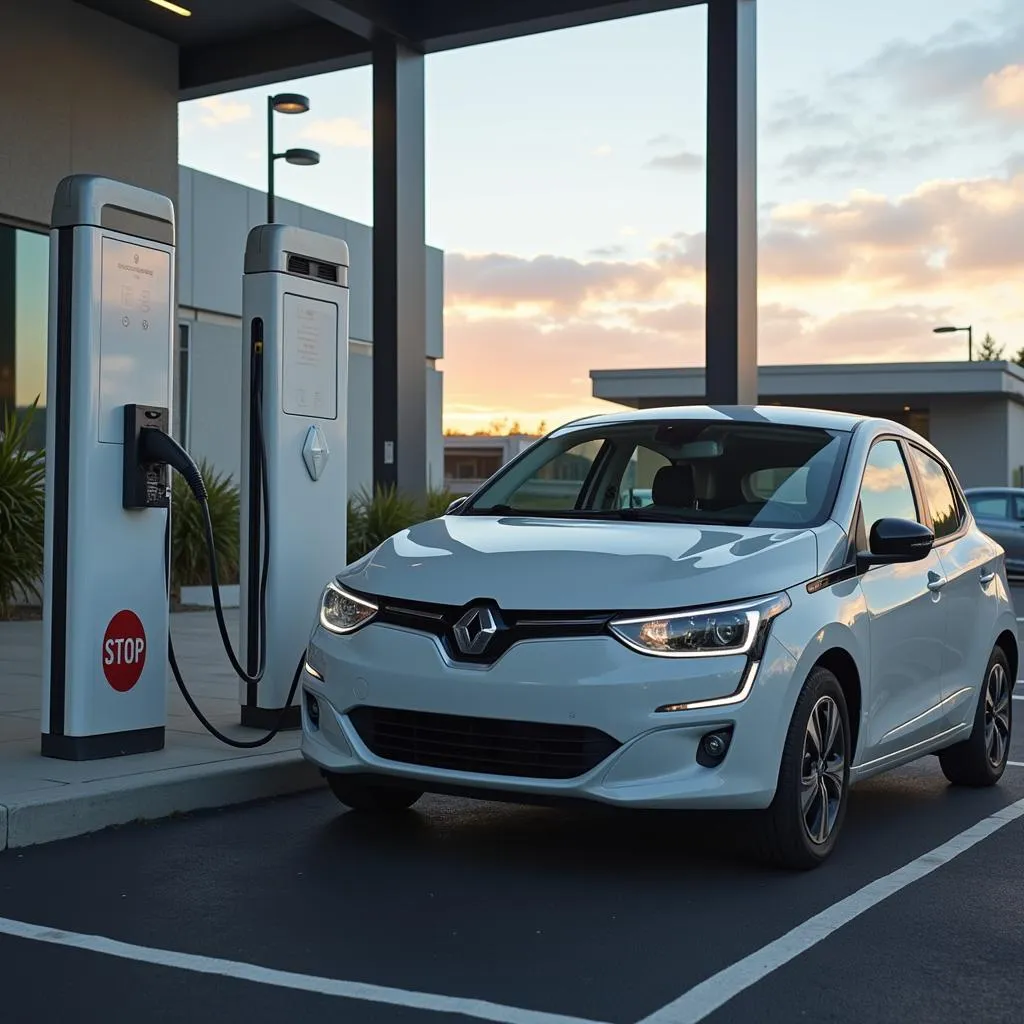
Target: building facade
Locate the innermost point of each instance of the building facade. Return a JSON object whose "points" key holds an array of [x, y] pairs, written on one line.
{"points": [[470, 459], [971, 411]]}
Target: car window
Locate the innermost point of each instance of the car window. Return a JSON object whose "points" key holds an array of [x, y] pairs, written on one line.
{"points": [[1018, 507], [943, 506], [718, 471], [988, 506], [886, 491], [557, 483]]}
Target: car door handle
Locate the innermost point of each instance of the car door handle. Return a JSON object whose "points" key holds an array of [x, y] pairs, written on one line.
{"points": [[986, 577], [936, 582]]}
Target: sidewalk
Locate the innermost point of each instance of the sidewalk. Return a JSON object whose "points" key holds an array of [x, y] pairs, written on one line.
{"points": [[42, 799]]}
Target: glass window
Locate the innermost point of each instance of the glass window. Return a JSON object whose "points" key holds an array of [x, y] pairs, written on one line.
{"points": [[943, 507], [31, 315], [988, 506], [557, 482], [886, 491], [1018, 507], [679, 470]]}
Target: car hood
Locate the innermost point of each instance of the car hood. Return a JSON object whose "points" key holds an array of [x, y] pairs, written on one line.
{"points": [[524, 563]]}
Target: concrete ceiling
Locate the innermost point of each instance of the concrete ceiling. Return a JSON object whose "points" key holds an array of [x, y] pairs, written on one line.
{"points": [[233, 44]]}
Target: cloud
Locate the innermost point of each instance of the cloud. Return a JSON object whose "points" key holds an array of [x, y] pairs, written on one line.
{"points": [[684, 161], [800, 114], [603, 150], [341, 132], [952, 68], [665, 139], [1004, 90], [856, 157], [554, 284], [605, 252], [942, 236], [219, 110]]}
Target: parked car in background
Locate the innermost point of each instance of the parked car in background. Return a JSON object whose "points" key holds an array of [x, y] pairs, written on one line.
{"points": [[804, 603], [999, 513]]}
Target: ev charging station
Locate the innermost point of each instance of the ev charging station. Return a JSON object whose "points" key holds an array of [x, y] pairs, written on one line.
{"points": [[110, 359], [295, 300]]}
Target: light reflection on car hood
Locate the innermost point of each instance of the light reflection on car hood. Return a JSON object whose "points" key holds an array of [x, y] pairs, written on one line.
{"points": [[528, 563]]}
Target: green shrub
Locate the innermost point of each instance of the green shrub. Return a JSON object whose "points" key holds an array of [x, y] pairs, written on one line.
{"points": [[189, 563], [372, 519], [22, 511]]}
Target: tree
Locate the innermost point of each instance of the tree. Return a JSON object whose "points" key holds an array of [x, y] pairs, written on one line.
{"points": [[989, 352], [1019, 357]]}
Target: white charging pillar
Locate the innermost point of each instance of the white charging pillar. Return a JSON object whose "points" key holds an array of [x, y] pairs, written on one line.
{"points": [[105, 608], [295, 302]]}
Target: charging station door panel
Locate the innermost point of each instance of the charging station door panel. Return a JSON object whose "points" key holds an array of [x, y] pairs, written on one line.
{"points": [[135, 310], [105, 592], [309, 357], [296, 317]]}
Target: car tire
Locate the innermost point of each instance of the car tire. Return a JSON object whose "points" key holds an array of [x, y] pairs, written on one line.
{"points": [[800, 828], [980, 760], [358, 794]]}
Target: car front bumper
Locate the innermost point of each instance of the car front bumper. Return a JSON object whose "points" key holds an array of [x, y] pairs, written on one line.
{"points": [[385, 682]]}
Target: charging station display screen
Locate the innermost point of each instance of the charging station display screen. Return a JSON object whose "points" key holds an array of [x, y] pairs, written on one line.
{"points": [[135, 325], [310, 355]]}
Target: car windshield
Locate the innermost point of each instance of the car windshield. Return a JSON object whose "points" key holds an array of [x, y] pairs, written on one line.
{"points": [[726, 472]]}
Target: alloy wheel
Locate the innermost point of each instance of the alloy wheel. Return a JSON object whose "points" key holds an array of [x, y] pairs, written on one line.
{"points": [[997, 714], [822, 770]]}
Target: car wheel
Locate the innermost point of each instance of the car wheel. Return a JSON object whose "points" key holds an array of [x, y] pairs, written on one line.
{"points": [[358, 794], [980, 760], [802, 825]]}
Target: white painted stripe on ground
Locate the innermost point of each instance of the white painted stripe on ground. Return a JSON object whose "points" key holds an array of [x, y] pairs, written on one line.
{"points": [[478, 1008], [714, 992], [1016, 764]]}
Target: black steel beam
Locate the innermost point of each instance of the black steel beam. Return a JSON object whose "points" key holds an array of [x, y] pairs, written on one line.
{"points": [[8, 343], [399, 269], [365, 18], [456, 23], [267, 59], [731, 262]]}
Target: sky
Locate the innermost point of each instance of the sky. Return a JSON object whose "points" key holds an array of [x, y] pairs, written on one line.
{"points": [[566, 185]]}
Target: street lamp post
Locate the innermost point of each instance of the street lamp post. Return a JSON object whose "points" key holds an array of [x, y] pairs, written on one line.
{"points": [[970, 337], [285, 103]]}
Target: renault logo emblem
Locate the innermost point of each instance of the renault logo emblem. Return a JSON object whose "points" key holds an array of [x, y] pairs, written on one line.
{"points": [[475, 630]]}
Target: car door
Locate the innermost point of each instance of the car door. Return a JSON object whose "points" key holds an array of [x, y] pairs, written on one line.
{"points": [[969, 568], [906, 617]]}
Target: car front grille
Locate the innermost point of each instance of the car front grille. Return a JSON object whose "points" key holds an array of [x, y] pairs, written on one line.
{"points": [[487, 746]]}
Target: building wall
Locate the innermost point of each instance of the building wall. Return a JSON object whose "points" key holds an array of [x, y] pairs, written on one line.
{"points": [[83, 93], [976, 438], [215, 217]]}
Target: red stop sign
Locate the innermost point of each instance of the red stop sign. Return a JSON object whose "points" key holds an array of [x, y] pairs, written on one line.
{"points": [[124, 650]]}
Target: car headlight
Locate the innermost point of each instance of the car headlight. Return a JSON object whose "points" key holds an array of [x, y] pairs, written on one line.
{"points": [[703, 632], [342, 612]]}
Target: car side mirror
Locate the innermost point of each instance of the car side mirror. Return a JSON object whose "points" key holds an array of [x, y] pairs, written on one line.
{"points": [[455, 505], [895, 541]]}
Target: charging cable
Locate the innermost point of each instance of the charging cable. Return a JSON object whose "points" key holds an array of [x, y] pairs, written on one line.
{"points": [[159, 448]]}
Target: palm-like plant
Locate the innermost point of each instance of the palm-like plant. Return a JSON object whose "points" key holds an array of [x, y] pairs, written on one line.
{"points": [[189, 562], [22, 510]]}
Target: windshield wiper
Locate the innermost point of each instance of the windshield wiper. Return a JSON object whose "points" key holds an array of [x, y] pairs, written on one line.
{"points": [[643, 515]]}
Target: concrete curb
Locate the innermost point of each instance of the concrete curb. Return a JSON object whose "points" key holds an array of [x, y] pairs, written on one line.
{"points": [[80, 808]]}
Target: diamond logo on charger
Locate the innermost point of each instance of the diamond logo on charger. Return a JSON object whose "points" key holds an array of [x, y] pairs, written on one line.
{"points": [[315, 452]]}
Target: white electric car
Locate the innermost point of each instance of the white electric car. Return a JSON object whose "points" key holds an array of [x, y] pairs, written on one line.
{"points": [[805, 602]]}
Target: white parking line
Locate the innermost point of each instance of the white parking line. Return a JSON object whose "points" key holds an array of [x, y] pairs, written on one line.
{"points": [[717, 990], [1016, 764], [478, 1008]]}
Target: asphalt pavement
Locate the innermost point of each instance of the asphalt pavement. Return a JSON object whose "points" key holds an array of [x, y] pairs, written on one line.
{"points": [[295, 909]]}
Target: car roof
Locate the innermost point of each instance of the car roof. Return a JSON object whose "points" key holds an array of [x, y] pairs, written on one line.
{"points": [[778, 415]]}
